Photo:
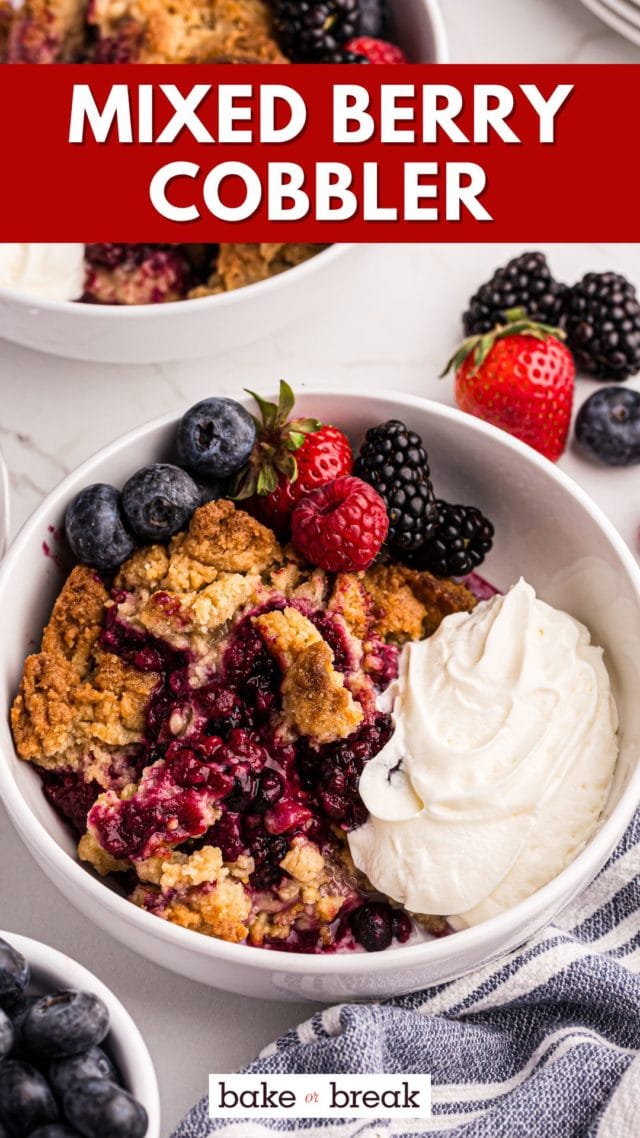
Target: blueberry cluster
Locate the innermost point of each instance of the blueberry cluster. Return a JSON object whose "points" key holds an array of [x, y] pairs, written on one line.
{"points": [[103, 525], [55, 1079], [426, 533]]}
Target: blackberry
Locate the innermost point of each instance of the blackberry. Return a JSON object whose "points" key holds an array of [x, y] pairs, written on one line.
{"points": [[525, 282], [309, 30], [394, 461], [459, 545], [267, 851], [343, 56], [603, 326]]}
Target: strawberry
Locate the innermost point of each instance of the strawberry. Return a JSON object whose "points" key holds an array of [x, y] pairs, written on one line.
{"points": [[520, 377], [376, 51], [291, 457]]}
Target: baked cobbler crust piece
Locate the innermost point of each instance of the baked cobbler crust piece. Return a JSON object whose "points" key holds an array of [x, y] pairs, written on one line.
{"points": [[239, 265], [141, 31], [75, 699], [47, 31], [202, 724], [203, 31]]}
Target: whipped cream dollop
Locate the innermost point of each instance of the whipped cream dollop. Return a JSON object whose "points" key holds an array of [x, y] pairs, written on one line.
{"points": [[53, 272], [500, 763]]}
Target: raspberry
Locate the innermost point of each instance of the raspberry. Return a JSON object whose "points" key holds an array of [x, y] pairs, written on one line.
{"points": [[376, 51], [341, 526]]}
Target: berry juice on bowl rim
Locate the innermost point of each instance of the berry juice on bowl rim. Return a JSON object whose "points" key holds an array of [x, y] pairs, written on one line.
{"points": [[291, 797]]}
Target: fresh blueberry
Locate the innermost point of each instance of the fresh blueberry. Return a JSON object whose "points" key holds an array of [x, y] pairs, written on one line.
{"points": [[26, 1102], [95, 528], [17, 1012], [6, 1034], [374, 18], [54, 1131], [14, 973], [99, 1109], [608, 426], [372, 927], [65, 1023], [159, 500], [92, 1064], [211, 489], [216, 437]]}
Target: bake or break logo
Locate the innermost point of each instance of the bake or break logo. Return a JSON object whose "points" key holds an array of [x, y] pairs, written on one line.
{"points": [[320, 1096]]}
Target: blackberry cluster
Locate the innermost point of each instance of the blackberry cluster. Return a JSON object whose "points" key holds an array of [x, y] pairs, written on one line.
{"points": [[461, 541], [311, 30], [603, 326], [394, 461], [526, 282], [316, 31]]}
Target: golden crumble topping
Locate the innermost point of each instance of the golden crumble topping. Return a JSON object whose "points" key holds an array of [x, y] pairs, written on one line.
{"points": [[350, 598], [146, 568], [409, 604], [73, 695], [102, 862], [228, 540], [316, 702], [76, 619], [222, 911], [204, 31], [286, 634], [239, 265]]}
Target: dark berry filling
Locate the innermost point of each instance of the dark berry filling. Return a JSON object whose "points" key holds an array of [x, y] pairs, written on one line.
{"points": [[71, 796], [214, 770], [333, 772]]}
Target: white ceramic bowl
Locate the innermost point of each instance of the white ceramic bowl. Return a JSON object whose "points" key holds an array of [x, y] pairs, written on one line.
{"points": [[191, 329], [5, 506], [50, 970], [548, 529]]}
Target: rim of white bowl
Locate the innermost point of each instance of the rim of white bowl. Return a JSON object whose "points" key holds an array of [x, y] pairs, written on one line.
{"points": [[69, 973], [437, 951], [5, 506], [439, 30]]}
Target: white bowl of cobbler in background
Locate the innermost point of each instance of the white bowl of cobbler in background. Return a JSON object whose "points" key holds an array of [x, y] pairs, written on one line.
{"points": [[547, 529], [189, 329], [51, 971]]}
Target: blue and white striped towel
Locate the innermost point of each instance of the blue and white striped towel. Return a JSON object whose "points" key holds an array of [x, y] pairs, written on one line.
{"points": [[544, 1043]]}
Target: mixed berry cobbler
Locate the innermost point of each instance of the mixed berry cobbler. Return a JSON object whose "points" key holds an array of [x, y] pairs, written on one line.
{"points": [[202, 718]]}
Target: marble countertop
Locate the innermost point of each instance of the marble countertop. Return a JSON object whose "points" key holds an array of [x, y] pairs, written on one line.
{"points": [[390, 322]]}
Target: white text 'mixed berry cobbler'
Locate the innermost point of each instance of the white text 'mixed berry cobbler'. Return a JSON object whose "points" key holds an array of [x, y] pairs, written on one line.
{"points": [[410, 113]]}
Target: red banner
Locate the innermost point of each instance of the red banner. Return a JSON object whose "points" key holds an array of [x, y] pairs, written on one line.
{"points": [[319, 153]]}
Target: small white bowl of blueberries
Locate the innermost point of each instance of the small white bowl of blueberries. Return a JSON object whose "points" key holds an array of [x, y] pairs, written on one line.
{"points": [[72, 1062]]}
